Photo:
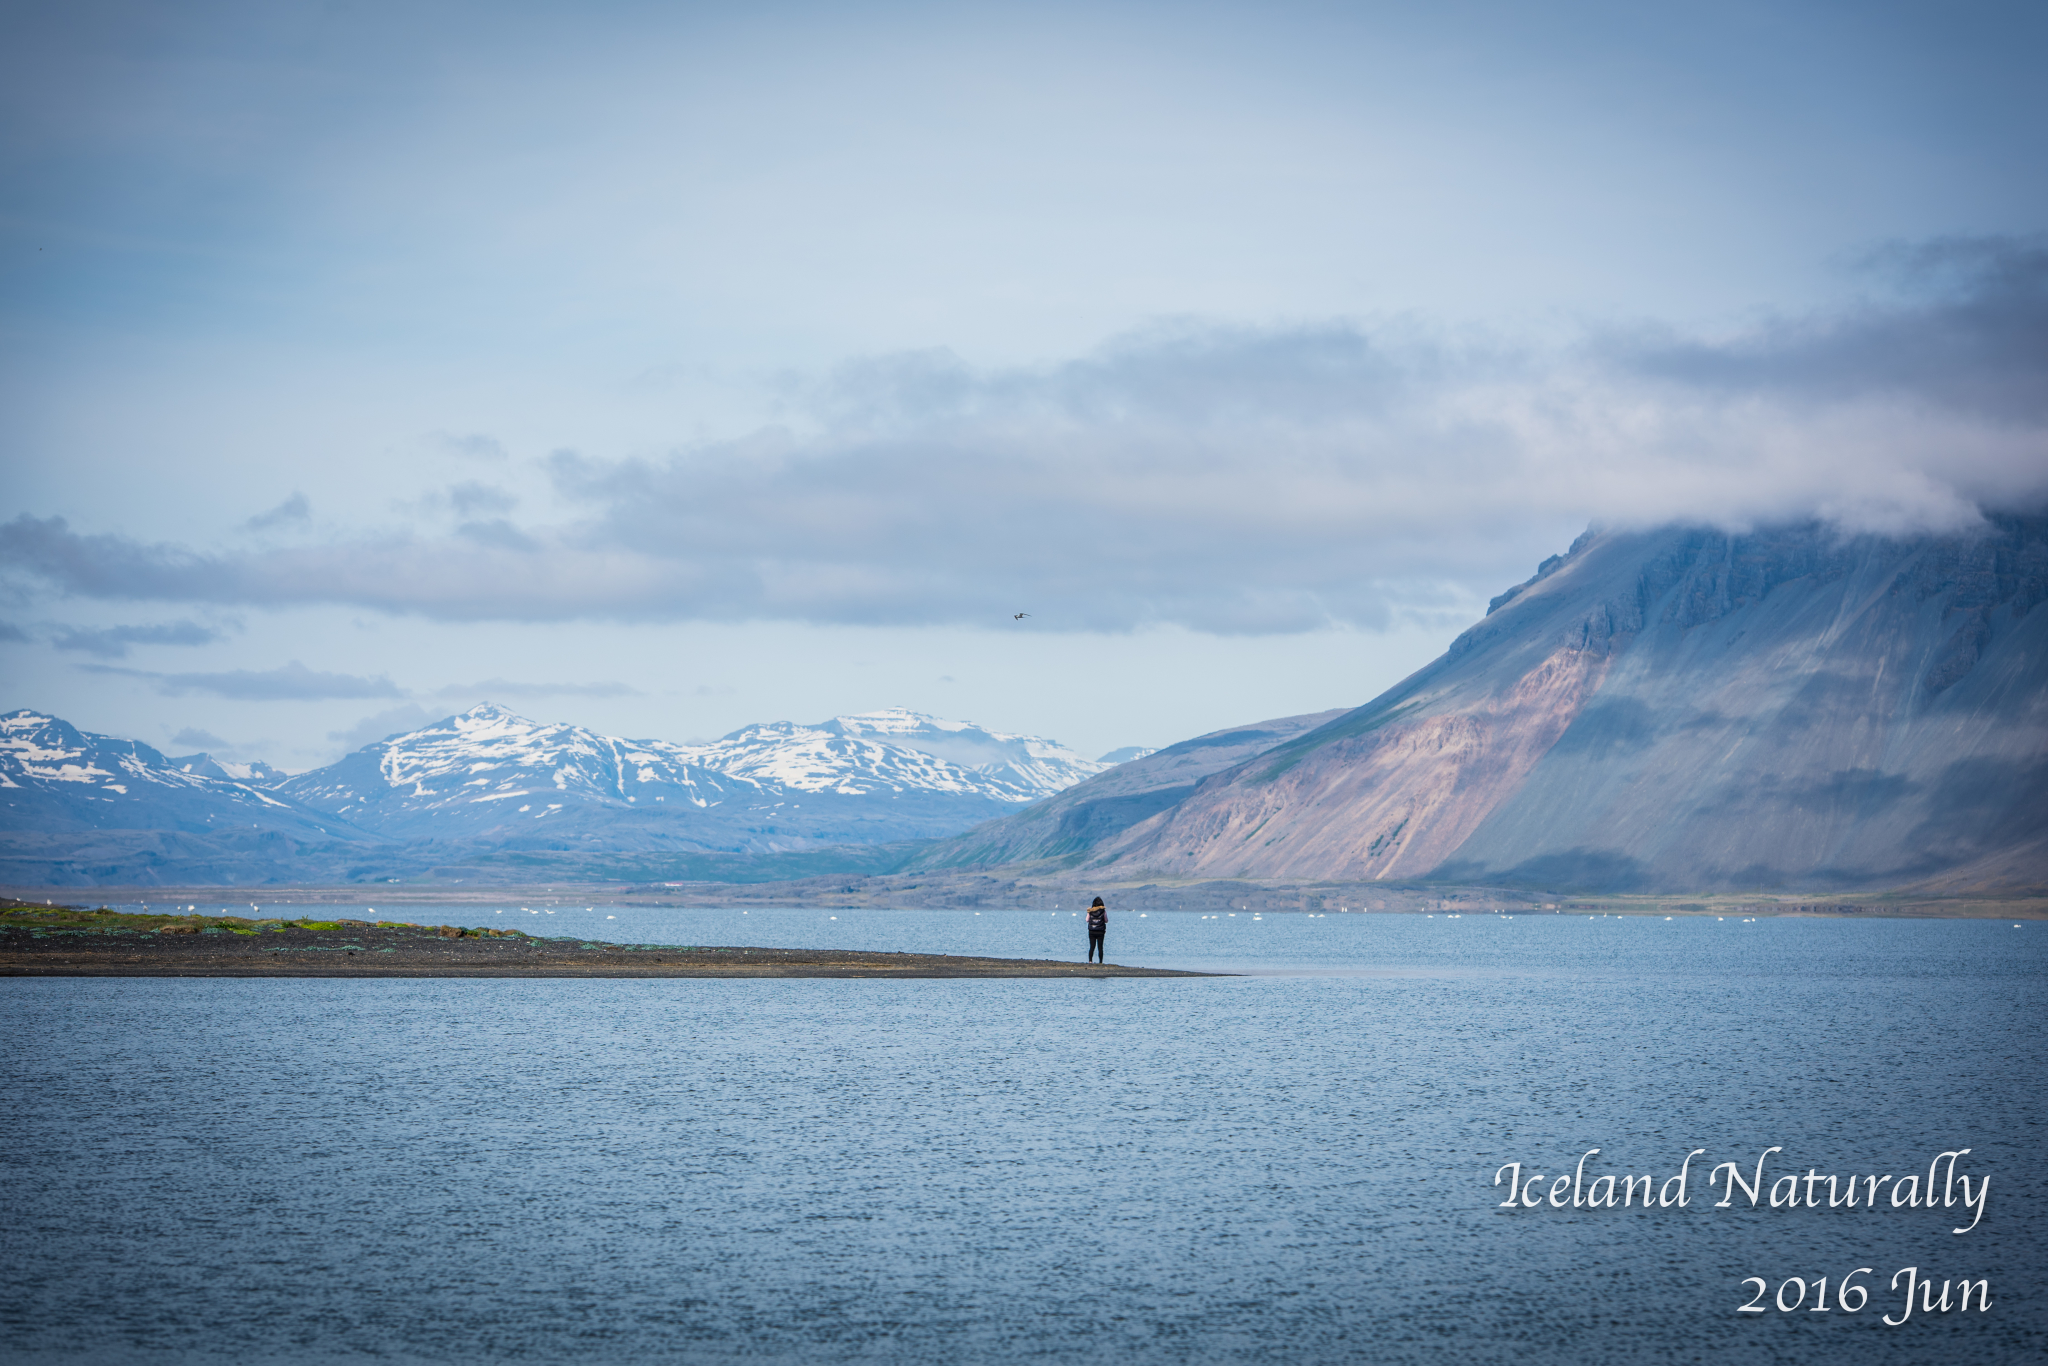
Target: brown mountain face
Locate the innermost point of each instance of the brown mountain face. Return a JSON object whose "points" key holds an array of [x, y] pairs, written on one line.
{"points": [[1674, 710], [1384, 801], [1071, 824]]}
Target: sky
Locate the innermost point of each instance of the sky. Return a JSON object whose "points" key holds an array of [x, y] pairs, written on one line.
{"points": [[665, 368]]}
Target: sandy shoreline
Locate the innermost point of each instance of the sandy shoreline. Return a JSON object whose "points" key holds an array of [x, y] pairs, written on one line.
{"points": [[63, 942]]}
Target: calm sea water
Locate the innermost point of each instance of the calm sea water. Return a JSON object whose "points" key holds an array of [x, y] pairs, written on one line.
{"points": [[1294, 1165]]}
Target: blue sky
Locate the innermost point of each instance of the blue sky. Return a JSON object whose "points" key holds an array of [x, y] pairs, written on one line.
{"points": [[666, 367]]}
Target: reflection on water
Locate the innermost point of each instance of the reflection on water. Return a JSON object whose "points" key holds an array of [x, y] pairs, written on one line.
{"points": [[1287, 1166]]}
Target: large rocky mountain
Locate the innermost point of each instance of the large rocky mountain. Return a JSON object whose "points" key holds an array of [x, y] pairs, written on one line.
{"points": [[489, 795], [1671, 710]]}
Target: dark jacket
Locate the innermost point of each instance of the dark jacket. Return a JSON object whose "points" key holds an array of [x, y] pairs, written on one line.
{"points": [[1098, 919]]}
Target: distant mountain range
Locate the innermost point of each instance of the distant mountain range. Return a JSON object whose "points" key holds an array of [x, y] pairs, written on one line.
{"points": [[1672, 710], [489, 794], [1654, 711], [900, 751]]}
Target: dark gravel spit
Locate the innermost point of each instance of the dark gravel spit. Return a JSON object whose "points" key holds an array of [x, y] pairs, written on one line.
{"points": [[358, 950]]}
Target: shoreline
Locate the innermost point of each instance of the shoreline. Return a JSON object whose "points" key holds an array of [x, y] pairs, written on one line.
{"points": [[51, 941], [982, 892]]}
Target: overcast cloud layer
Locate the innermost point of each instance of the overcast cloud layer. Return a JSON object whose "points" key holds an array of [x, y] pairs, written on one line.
{"points": [[1225, 479], [729, 364]]}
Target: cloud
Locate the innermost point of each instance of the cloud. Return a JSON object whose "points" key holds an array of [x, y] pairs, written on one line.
{"points": [[471, 497], [112, 642], [1225, 479], [499, 534], [494, 688], [1975, 343], [371, 729], [292, 683], [475, 445], [9, 631], [193, 738], [292, 509]]}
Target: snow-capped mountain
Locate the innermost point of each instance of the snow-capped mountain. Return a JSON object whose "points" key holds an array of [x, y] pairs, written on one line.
{"points": [[489, 792], [489, 768], [896, 750], [55, 777], [206, 766]]}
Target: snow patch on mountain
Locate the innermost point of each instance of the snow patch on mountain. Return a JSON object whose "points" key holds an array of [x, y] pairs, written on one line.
{"points": [[205, 765]]}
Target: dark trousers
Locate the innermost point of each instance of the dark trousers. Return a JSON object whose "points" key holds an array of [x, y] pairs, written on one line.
{"points": [[1095, 946]]}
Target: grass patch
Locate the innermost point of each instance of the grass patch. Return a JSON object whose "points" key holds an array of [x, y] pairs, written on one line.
{"points": [[104, 919]]}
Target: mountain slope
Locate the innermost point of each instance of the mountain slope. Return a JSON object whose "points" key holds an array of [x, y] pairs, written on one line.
{"points": [[1071, 823], [1678, 709]]}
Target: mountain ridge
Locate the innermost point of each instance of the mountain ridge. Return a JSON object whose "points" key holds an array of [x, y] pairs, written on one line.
{"points": [[483, 790], [1679, 708]]}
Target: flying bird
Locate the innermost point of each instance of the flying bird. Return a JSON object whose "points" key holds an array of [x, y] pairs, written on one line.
{"points": [[1018, 616]]}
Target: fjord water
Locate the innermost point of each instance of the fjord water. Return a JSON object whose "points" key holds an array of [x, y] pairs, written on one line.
{"points": [[1293, 1165]]}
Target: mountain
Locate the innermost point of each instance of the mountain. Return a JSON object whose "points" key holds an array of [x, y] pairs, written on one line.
{"points": [[78, 808], [55, 777], [489, 794], [1083, 816], [491, 775], [1680, 709], [256, 772], [898, 751]]}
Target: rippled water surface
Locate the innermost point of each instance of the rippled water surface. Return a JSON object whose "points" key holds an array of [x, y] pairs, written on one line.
{"points": [[1293, 1165]]}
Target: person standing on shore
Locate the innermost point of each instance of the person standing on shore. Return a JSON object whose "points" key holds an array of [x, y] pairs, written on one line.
{"points": [[1098, 925]]}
